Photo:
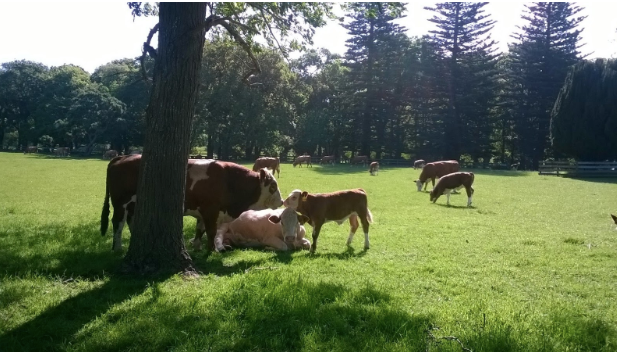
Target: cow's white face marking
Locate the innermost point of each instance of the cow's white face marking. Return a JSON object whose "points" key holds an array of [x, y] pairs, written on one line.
{"points": [[293, 199], [199, 171], [419, 184], [289, 224], [270, 195]]}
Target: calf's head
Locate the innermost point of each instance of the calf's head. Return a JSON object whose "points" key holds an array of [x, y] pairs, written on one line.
{"points": [[290, 223], [294, 198], [434, 195], [270, 196]]}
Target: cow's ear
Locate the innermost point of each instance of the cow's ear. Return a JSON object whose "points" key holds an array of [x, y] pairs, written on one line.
{"points": [[614, 218], [302, 219], [274, 219], [304, 195], [262, 174]]}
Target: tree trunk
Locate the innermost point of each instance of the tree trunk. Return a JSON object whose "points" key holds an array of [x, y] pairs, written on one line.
{"points": [[157, 242], [210, 147]]}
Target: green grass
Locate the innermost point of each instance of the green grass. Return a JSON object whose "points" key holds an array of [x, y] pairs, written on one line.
{"points": [[531, 267]]}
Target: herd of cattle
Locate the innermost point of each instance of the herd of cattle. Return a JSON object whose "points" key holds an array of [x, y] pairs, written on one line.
{"points": [[239, 208]]}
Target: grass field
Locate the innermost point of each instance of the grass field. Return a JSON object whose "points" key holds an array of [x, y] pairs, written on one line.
{"points": [[531, 267]]}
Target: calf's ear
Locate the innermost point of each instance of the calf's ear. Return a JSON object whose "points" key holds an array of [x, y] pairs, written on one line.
{"points": [[274, 219], [302, 219], [304, 195]]}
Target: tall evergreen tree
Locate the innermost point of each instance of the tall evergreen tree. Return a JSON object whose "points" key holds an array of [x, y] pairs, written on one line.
{"points": [[546, 47], [467, 52], [371, 28]]}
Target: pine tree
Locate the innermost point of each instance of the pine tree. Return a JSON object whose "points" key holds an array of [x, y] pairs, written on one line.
{"points": [[467, 52], [546, 47], [371, 30]]}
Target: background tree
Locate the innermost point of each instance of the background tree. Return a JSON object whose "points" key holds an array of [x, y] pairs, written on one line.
{"points": [[584, 118], [545, 49]]}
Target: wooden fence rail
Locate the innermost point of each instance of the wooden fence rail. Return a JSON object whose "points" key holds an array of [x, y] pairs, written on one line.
{"points": [[579, 168]]}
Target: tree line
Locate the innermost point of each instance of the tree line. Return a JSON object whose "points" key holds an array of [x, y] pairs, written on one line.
{"points": [[446, 95]]}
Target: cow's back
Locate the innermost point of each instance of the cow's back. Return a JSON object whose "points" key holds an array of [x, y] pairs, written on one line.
{"points": [[122, 177]]}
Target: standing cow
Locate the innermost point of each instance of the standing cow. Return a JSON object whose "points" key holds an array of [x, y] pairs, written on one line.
{"points": [[418, 164], [303, 159], [31, 149], [273, 164], [452, 182], [373, 168], [359, 159], [212, 187], [320, 208], [328, 159], [110, 154], [435, 170]]}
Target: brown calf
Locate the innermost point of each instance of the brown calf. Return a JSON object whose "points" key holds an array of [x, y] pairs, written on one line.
{"points": [[335, 206], [435, 170], [329, 159], [303, 159], [273, 164], [373, 168], [359, 159], [453, 181]]}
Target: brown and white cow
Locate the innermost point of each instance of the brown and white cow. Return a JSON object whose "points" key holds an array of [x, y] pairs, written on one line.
{"points": [[31, 149], [451, 182], [273, 164], [110, 154], [435, 170], [303, 159], [278, 229], [336, 206], [359, 159], [212, 187], [328, 159], [373, 168], [62, 151], [418, 164]]}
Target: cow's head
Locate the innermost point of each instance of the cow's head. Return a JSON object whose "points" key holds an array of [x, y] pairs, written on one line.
{"points": [[294, 198], [419, 184], [290, 223], [295, 163], [434, 195], [270, 196]]}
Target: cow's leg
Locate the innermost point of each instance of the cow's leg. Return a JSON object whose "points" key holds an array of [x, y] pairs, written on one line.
{"points": [[223, 238], [316, 230], [117, 221], [353, 223], [469, 195], [209, 218], [365, 226], [447, 192], [433, 181], [275, 243], [200, 228]]}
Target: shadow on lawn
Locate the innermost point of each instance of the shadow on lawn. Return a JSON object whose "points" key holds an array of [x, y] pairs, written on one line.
{"points": [[341, 170]]}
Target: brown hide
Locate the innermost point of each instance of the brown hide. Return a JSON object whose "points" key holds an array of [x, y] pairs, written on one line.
{"points": [[303, 159], [327, 159], [453, 181], [435, 170], [270, 163], [359, 159]]}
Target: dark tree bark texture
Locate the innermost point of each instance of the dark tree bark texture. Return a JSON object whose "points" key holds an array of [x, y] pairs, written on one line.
{"points": [[157, 242]]}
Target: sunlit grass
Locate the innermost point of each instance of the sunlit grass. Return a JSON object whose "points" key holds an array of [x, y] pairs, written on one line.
{"points": [[531, 267]]}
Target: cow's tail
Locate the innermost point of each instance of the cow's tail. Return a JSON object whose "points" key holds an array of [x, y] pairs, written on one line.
{"points": [[105, 212], [369, 216]]}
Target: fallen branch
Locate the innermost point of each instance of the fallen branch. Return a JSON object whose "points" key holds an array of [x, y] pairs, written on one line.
{"points": [[449, 338]]}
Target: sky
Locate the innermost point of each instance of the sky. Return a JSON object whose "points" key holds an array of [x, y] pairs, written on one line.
{"points": [[90, 34]]}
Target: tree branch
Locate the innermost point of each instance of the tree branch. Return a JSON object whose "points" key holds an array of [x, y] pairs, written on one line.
{"points": [[147, 49], [238, 38], [283, 51]]}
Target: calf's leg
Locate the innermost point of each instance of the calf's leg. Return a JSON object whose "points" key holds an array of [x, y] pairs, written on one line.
{"points": [[316, 230], [365, 225], [353, 223]]}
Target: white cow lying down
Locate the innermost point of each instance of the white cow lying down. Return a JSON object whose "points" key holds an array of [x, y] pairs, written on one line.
{"points": [[279, 229]]}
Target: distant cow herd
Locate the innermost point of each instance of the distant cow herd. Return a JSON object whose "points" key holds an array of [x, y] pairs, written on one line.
{"points": [[240, 208]]}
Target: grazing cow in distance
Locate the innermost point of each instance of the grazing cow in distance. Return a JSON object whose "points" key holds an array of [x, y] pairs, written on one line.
{"points": [[514, 166], [435, 170], [418, 164], [328, 159], [279, 229], [213, 189], [110, 154], [62, 151], [273, 164], [373, 168], [359, 159], [31, 149], [336, 206], [453, 181], [303, 159]]}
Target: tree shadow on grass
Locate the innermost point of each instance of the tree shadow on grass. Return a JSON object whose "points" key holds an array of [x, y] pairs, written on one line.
{"points": [[452, 206], [348, 253], [341, 170], [266, 312], [612, 180]]}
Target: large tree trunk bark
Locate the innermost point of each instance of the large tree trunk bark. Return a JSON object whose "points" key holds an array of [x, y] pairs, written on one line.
{"points": [[157, 242]]}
